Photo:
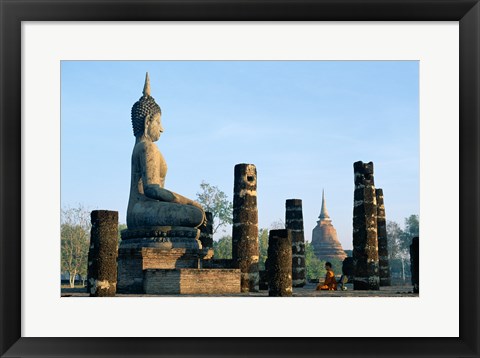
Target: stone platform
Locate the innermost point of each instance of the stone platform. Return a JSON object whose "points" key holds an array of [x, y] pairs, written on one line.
{"points": [[155, 248]]}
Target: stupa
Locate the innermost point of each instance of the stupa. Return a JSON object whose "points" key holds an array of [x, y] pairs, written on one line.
{"points": [[324, 237]]}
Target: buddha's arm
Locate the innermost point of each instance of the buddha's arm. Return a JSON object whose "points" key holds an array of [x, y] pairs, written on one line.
{"points": [[151, 179], [150, 163], [154, 191], [183, 200]]}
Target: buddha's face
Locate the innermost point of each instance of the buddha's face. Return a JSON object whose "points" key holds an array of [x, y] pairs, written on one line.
{"points": [[154, 128]]}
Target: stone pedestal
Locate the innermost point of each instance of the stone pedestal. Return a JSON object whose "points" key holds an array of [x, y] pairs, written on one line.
{"points": [[365, 245], [163, 248], [294, 223], [245, 226], [279, 263], [384, 267], [102, 256]]}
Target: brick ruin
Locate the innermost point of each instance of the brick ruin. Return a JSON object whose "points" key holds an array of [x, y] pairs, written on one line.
{"points": [[102, 255], [348, 268], [172, 265], [383, 264], [162, 249], [365, 242], [191, 281], [294, 223], [279, 263], [245, 253]]}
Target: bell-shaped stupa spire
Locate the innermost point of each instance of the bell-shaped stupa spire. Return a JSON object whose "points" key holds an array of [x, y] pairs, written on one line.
{"points": [[324, 237], [324, 212], [146, 87]]}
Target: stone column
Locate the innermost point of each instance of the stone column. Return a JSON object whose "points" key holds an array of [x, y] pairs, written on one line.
{"points": [[383, 263], [348, 268], [206, 232], [279, 263], [102, 256], [245, 226], [414, 264], [294, 223], [365, 243]]}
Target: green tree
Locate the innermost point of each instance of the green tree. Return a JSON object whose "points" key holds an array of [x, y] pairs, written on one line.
{"points": [[121, 227], [82, 269], [277, 225], [215, 201], [412, 228], [223, 247], [399, 241], [262, 248], [398, 255], [263, 235], [336, 266], [74, 238], [395, 237], [315, 268]]}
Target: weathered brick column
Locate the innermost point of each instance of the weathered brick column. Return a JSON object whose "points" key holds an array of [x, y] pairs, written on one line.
{"points": [[383, 263], [279, 263], [294, 223], [348, 268], [102, 256], [206, 232], [414, 264], [245, 226], [365, 244]]}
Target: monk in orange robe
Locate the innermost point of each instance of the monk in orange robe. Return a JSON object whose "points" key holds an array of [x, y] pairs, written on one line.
{"points": [[330, 283]]}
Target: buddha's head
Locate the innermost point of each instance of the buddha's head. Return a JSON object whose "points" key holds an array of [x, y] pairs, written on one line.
{"points": [[146, 115]]}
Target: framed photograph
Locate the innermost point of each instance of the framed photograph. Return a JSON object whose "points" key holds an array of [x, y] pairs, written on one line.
{"points": [[44, 48]]}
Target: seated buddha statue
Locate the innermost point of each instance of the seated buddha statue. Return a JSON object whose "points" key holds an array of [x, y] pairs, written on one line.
{"points": [[150, 204]]}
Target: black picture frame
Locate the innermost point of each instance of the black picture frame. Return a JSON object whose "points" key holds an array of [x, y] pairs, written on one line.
{"points": [[13, 12]]}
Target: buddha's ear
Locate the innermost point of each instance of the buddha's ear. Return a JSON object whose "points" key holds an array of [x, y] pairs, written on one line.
{"points": [[148, 120]]}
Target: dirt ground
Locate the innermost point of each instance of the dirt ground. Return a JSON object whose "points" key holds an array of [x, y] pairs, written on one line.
{"points": [[306, 291]]}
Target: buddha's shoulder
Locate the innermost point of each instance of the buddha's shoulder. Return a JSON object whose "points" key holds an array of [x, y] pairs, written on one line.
{"points": [[144, 147]]}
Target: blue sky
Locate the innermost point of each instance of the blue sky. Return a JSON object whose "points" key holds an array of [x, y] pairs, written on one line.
{"points": [[302, 123]]}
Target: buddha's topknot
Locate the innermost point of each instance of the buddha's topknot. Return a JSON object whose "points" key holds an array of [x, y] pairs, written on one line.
{"points": [[144, 107]]}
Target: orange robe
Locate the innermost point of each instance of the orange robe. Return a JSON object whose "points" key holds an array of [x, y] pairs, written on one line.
{"points": [[330, 283]]}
